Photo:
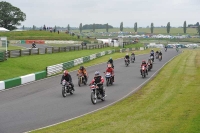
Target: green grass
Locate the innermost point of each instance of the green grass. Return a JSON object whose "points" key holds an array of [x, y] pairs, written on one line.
{"points": [[39, 35], [170, 103]]}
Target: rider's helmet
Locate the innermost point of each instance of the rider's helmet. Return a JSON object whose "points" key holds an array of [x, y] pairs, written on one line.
{"points": [[109, 65], [110, 57], [132, 52], [81, 68], [96, 73], [65, 73], [126, 53], [143, 62]]}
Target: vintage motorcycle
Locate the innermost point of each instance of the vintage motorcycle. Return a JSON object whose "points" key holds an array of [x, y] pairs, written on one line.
{"points": [[81, 80], [96, 93], [66, 88], [132, 58], [126, 62], [109, 79], [144, 72]]}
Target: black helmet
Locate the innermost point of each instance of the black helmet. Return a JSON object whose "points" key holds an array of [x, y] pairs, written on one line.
{"points": [[81, 67]]}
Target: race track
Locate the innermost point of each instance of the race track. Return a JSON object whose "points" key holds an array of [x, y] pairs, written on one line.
{"points": [[40, 103]]}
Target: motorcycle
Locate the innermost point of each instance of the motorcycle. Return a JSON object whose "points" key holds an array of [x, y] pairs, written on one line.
{"points": [[66, 88], [156, 55], [111, 64], [81, 80], [126, 62], [165, 49], [109, 79], [144, 73], [96, 94], [160, 57], [149, 66], [177, 49], [152, 58], [132, 58]]}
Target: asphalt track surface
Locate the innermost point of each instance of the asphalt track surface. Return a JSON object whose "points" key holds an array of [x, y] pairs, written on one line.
{"points": [[39, 104]]}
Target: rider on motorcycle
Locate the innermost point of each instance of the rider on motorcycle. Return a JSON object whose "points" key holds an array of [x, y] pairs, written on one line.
{"points": [[160, 54], [33, 45], [145, 65], [98, 79], [127, 57], [82, 71], [110, 70], [152, 54], [66, 76], [111, 61], [150, 62], [157, 54], [133, 55]]}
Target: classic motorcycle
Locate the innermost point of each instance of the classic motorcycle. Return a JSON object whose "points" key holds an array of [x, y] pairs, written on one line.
{"points": [[126, 62], [66, 88], [109, 79], [152, 58], [144, 73], [132, 58], [111, 64], [149, 66], [156, 55], [160, 57], [81, 80], [96, 94]]}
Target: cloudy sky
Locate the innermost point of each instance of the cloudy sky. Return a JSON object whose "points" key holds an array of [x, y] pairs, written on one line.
{"points": [[113, 12]]}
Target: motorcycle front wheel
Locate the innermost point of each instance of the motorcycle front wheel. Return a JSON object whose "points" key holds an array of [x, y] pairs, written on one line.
{"points": [[93, 98], [64, 92]]}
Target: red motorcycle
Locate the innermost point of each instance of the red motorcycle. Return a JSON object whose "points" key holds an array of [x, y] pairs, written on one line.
{"points": [[144, 71]]}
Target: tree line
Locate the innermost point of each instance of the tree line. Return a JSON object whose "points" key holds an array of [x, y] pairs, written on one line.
{"points": [[11, 17]]}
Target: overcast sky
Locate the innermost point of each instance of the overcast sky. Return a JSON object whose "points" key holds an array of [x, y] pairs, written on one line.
{"points": [[113, 12]]}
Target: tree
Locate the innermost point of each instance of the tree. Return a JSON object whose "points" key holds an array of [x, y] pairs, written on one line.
{"points": [[68, 27], [121, 26], [168, 27], [152, 27], [80, 27], [197, 24], [184, 27], [135, 26], [107, 27], [198, 30], [23, 27], [33, 27], [55, 28], [10, 16], [93, 28]]}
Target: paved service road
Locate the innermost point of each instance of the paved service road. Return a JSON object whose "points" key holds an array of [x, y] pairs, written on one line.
{"points": [[40, 104]]}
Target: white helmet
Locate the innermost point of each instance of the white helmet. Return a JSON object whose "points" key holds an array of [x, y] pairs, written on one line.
{"points": [[97, 73]]}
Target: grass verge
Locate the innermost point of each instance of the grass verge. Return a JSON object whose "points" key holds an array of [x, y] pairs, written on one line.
{"points": [[169, 103]]}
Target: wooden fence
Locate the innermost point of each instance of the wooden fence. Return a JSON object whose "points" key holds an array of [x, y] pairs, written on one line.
{"points": [[49, 50]]}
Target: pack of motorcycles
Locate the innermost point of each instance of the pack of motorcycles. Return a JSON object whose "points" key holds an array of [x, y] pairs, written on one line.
{"points": [[96, 93]]}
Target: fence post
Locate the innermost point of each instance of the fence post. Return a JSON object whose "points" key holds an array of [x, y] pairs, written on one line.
{"points": [[20, 52], [74, 48], [45, 50], [59, 49], [52, 50], [29, 51]]}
